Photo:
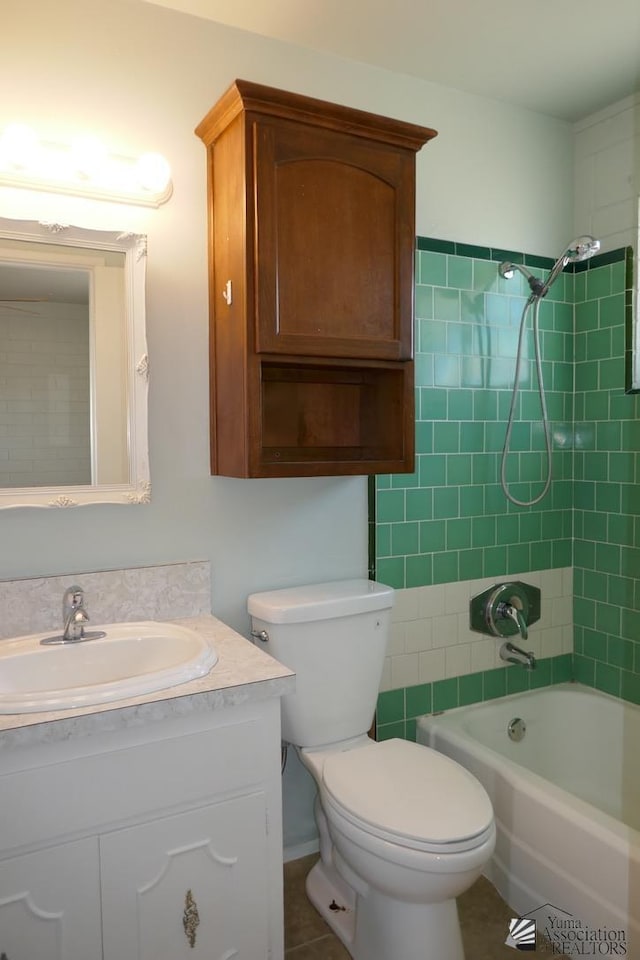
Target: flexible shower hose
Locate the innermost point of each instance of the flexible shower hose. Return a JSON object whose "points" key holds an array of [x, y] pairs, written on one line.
{"points": [[533, 301]]}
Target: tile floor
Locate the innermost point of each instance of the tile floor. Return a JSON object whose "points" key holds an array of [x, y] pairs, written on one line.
{"points": [[484, 918]]}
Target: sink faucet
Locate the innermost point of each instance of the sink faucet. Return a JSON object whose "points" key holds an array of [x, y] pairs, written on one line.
{"points": [[513, 654], [74, 614]]}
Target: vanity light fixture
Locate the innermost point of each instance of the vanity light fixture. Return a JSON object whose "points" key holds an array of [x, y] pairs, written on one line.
{"points": [[83, 168]]}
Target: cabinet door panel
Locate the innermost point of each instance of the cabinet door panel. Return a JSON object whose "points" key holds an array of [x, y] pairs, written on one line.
{"points": [[50, 904], [334, 252], [188, 887]]}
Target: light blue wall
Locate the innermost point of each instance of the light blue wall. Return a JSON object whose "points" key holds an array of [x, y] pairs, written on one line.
{"points": [[143, 77]]}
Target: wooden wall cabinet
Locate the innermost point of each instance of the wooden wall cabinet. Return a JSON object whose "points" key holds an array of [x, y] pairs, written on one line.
{"points": [[312, 235]]}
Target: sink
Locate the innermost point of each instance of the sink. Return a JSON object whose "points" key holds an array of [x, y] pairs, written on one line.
{"points": [[131, 659]]}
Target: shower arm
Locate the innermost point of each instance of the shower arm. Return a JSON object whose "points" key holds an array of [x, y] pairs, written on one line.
{"points": [[580, 249], [536, 286]]}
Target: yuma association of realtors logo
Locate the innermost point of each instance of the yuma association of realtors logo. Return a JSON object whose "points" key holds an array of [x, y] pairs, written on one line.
{"points": [[522, 933], [565, 934]]}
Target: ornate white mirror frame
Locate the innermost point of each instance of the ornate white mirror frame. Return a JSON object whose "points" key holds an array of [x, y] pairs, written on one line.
{"points": [[58, 246]]}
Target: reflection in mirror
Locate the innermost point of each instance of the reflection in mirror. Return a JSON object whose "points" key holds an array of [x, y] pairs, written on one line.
{"points": [[73, 366]]}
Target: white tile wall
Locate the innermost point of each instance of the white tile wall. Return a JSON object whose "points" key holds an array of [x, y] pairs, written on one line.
{"points": [[431, 640], [44, 396], [607, 174]]}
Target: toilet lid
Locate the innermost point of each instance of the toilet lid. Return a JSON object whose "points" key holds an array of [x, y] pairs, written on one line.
{"points": [[410, 791]]}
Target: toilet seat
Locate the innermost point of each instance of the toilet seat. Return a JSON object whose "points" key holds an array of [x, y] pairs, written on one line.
{"points": [[409, 795]]}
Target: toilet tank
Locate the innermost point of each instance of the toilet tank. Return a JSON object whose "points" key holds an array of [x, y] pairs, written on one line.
{"points": [[334, 636]]}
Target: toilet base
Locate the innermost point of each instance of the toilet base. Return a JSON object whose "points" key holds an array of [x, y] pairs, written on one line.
{"points": [[334, 901], [376, 927]]}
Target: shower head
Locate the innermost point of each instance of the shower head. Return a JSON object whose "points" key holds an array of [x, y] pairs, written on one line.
{"points": [[580, 249]]}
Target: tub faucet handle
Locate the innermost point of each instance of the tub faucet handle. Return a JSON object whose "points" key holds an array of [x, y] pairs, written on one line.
{"points": [[510, 610], [505, 609]]}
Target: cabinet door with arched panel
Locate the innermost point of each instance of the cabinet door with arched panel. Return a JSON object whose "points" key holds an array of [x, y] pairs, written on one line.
{"points": [[50, 904], [193, 886]]}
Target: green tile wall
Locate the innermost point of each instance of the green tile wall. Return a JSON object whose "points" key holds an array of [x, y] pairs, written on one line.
{"points": [[450, 520], [606, 491]]}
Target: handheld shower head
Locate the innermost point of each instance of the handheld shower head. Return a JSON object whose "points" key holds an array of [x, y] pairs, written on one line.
{"points": [[580, 249]]}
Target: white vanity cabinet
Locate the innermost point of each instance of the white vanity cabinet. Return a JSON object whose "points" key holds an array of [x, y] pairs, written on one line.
{"points": [[158, 840]]}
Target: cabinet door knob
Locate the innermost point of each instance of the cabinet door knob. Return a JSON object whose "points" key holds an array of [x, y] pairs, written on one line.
{"points": [[190, 919]]}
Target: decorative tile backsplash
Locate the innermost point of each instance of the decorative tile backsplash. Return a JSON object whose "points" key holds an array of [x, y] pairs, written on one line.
{"points": [[165, 592]]}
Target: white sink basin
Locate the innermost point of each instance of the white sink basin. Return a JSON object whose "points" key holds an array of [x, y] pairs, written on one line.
{"points": [[130, 660]]}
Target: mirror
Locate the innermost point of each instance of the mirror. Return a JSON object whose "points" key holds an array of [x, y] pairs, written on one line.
{"points": [[73, 366]]}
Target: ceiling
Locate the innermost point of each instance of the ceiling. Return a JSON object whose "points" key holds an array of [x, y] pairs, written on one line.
{"points": [[563, 59]]}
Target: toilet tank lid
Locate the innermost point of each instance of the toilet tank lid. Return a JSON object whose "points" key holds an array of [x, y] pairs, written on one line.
{"points": [[320, 601]]}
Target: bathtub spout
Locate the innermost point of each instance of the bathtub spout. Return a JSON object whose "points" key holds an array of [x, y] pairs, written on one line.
{"points": [[513, 654]]}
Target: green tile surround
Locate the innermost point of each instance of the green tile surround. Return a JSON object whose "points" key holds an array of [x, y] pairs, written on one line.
{"points": [[606, 488], [449, 521]]}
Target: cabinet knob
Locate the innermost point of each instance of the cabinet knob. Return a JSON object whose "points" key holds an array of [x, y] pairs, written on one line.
{"points": [[227, 293], [190, 919]]}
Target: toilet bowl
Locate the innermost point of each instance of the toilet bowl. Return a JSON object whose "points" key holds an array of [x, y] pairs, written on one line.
{"points": [[407, 834], [403, 829]]}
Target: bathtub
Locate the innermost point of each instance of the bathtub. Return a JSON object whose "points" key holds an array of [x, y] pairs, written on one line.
{"points": [[567, 805]]}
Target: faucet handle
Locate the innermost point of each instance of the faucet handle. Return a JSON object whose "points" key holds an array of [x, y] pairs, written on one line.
{"points": [[73, 596], [513, 612], [505, 609], [73, 599], [74, 615]]}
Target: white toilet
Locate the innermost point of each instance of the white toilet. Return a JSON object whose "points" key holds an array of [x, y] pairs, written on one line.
{"points": [[404, 830]]}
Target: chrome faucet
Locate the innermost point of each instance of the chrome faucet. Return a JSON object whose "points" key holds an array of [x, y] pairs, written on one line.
{"points": [[74, 615], [513, 654]]}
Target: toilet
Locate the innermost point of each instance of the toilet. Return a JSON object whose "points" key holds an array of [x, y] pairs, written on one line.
{"points": [[403, 829]]}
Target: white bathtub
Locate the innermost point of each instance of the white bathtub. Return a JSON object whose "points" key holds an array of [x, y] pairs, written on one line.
{"points": [[566, 800]]}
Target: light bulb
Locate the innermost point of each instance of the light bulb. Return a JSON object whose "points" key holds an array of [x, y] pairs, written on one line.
{"points": [[153, 172], [89, 155], [18, 146], [84, 167]]}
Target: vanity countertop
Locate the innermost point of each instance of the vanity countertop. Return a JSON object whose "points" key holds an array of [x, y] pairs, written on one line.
{"points": [[243, 673]]}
